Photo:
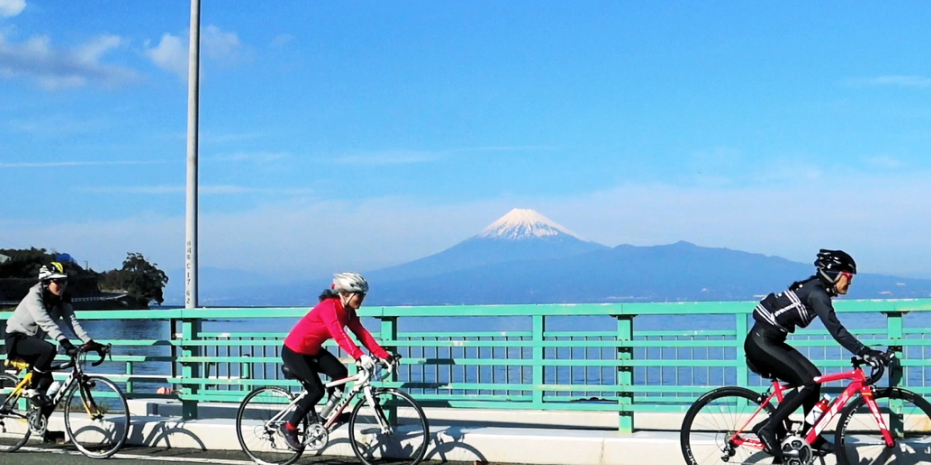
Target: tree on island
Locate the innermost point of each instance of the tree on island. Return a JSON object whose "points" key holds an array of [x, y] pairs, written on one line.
{"points": [[138, 278]]}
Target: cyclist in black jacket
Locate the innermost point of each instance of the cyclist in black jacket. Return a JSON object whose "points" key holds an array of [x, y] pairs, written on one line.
{"points": [[776, 316]]}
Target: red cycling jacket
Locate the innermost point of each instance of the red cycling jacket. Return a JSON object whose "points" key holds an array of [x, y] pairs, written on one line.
{"points": [[326, 321]]}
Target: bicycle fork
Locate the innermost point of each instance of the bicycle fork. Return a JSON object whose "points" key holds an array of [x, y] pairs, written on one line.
{"points": [[378, 412], [877, 415]]}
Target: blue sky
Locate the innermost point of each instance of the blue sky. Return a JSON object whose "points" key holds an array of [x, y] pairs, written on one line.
{"points": [[348, 135]]}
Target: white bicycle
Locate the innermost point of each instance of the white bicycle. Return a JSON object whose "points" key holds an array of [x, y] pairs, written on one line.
{"points": [[385, 426]]}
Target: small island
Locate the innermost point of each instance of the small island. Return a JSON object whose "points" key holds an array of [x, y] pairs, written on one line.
{"points": [[132, 287]]}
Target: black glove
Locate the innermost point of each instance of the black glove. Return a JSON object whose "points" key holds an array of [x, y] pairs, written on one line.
{"points": [[93, 346], [70, 349], [873, 357]]}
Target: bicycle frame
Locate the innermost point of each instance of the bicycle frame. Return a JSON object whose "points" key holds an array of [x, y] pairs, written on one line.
{"points": [[858, 385], [76, 371], [361, 383]]}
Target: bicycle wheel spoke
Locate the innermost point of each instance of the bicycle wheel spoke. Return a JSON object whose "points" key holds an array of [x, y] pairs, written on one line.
{"points": [[14, 428], [711, 424], [96, 417], [257, 423], [402, 435], [906, 414]]}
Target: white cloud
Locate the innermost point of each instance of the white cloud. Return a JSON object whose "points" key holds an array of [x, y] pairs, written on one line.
{"points": [[505, 148], [204, 190], [10, 8], [281, 40], [60, 164], [172, 53], [884, 162], [391, 157], [210, 138], [259, 157], [848, 212], [57, 68], [406, 157], [894, 80], [220, 45], [58, 124]]}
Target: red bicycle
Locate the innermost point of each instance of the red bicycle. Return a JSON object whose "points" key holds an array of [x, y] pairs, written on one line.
{"points": [[879, 426]]}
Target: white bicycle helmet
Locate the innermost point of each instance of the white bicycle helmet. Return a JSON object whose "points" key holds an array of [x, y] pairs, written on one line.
{"points": [[350, 282], [52, 271]]}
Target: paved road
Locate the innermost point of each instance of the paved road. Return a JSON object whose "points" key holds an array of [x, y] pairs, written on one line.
{"points": [[35, 454]]}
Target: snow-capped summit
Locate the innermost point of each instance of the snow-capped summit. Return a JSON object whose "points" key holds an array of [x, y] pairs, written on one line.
{"points": [[519, 235], [522, 223]]}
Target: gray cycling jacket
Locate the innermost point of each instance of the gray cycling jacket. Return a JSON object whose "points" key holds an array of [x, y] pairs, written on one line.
{"points": [[33, 317]]}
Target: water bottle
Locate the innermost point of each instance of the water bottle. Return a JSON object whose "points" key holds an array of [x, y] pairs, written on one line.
{"points": [[334, 399], [818, 410], [53, 389]]}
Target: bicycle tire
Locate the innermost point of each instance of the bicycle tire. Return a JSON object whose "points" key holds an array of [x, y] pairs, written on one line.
{"points": [[688, 423], [86, 396], [915, 426], [420, 420], [288, 460], [8, 381]]}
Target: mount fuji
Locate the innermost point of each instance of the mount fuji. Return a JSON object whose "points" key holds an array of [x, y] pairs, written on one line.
{"points": [[527, 258], [519, 235]]}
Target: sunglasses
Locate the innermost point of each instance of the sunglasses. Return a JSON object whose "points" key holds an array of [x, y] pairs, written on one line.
{"points": [[60, 281], [848, 275]]}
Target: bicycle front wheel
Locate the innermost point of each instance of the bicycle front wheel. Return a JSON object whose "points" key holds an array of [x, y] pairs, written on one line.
{"points": [[14, 428], [391, 430], [858, 438], [257, 421], [714, 422], [96, 417]]}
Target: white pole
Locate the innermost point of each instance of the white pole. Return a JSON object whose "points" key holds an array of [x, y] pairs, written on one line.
{"points": [[193, 97]]}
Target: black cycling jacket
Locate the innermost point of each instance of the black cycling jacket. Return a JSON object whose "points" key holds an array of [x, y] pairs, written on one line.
{"points": [[786, 310]]}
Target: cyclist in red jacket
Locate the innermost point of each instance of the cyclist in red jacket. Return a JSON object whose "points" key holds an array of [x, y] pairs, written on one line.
{"points": [[303, 351]]}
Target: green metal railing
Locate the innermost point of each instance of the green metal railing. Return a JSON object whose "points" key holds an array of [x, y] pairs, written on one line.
{"points": [[611, 366]]}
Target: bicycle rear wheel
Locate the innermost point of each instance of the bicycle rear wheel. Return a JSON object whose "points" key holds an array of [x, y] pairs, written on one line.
{"points": [[96, 417], [859, 440], [14, 427], [710, 426], [258, 435], [393, 430]]}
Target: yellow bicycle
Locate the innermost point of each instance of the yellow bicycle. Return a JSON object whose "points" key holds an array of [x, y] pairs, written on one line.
{"points": [[99, 434]]}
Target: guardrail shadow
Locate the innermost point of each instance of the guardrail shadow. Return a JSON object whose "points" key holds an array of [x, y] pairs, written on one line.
{"points": [[163, 434], [451, 441]]}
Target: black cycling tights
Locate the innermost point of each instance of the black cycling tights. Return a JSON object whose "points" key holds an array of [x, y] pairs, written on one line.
{"points": [[38, 353], [306, 367], [767, 349]]}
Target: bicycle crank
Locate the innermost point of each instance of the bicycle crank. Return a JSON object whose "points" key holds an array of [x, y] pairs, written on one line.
{"points": [[796, 451], [38, 423], [316, 437]]}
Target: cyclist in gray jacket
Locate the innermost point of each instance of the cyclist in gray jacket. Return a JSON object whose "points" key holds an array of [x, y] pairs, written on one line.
{"points": [[36, 317]]}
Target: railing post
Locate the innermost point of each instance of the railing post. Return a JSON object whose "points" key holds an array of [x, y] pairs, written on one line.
{"points": [[539, 327], [129, 374], [896, 333], [389, 334], [173, 349], [625, 374], [190, 329], [245, 372], [743, 372]]}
